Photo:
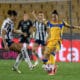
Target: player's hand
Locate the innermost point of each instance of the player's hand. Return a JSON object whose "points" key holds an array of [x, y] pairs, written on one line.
{"points": [[25, 34], [33, 12]]}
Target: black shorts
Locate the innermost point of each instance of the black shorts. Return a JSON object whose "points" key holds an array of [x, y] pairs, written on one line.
{"points": [[40, 42], [24, 39], [9, 42]]}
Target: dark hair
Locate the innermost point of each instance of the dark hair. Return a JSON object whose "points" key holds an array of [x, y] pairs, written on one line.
{"points": [[24, 12], [12, 13], [40, 12], [55, 12]]}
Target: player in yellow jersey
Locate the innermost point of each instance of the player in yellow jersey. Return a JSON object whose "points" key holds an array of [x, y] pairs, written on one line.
{"points": [[54, 41]]}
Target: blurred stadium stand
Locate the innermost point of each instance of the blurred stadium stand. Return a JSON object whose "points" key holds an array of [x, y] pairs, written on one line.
{"points": [[47, 6]]}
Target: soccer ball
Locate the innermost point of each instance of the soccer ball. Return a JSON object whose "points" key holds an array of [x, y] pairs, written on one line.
{"points": [[47, 68]]}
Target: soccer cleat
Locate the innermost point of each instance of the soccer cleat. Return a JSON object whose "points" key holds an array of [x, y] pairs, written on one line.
{"points": [[44, 66], [31, 68], [51, 72], [16, 69], [55, 69], [35, 64]]}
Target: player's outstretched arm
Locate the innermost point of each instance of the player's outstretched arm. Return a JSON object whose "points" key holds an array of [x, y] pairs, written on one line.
{"points": [[19, 32], [76, 27], [69, 26], [34, 14]]}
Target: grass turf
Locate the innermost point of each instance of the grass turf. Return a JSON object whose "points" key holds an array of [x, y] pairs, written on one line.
{"points": [[66, 71]]}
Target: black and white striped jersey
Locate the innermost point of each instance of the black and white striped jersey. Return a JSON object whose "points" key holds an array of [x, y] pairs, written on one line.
{"points": [[40, 33], [8, 27]]}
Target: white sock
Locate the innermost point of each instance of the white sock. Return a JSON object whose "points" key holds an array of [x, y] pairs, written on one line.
{"points": [[36, 63], [18, 60], [49, 66], [26, 56], [39, 52], [52, 66]]}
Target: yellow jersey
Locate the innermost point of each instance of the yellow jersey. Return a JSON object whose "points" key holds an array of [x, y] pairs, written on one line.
{"points": [[56, 30]]}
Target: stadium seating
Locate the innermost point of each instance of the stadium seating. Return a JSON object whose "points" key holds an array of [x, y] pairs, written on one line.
{"points": [[47, 8]]}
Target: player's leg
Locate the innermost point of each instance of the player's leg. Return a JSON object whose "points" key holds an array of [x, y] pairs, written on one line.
{"points": [[32, 47], [55, 47], [49, 59], [39, 52], [41, 49], [35, 46], [16, 65], [19, 57], [49, 63], [26, 57], [19, 47], [34, 50], [46, 55], [26, 40], [38, 49]]}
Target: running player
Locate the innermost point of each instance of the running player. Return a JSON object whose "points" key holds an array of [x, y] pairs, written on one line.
{"points": [[25, 26], [54, 41], [40, 34], [6, 32]]}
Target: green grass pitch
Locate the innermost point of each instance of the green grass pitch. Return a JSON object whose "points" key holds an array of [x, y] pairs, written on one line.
{"points": [[66, 71]]}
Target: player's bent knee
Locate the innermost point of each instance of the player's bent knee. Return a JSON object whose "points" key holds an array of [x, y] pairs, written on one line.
{"points": [[15, 47], [47, 50], [46, 56]]}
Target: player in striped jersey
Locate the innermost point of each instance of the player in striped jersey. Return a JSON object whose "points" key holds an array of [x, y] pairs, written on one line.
{"points": [[40, 34], [7, 31]]}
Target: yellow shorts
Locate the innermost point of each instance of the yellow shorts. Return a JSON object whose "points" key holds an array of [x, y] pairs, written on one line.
{"points": [[54, 45]]}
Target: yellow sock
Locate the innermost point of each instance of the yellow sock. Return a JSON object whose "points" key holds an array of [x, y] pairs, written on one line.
{"points": [[51, 59]]}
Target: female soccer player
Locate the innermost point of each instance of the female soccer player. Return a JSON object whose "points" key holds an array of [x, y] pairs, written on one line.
{"points": [[6, 31], [40, 34], [54, 41]]}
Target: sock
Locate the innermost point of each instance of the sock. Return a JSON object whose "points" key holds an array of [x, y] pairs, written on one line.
{"points": [[29, 52], [53, 53], [18, 60], [39, 51], [31, 44], [44, 61], [26, 56], [51, 59], [34, 57], [52, 66]]}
